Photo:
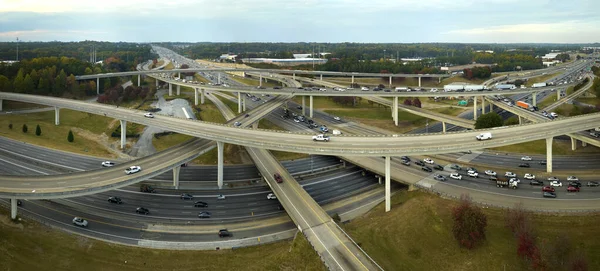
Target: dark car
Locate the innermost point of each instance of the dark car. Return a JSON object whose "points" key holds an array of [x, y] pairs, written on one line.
{"points": [[419, 163], [200, 204], [405, 158], [438, 167], [187, 196], [147, 188], [549, 195], [543, 162], [472, 169], [204, 215], [524, 165], [276, 87], [277, 178], [115, 200], [224, 233], [536, 182], [593, 183], [404, 162], [575, 183], [142, 210], [439, 177], [493, 178], [280, 207], [572, 189], [548, 189], [428, 169], [455, 167]]}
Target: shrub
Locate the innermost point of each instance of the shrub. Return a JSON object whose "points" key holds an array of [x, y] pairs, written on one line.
{"points": [[469, 223], [10, 126], [24, 128], [70, 137], [38, 130]]}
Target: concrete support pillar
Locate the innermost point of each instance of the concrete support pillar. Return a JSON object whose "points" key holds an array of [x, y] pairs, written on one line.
{"points": [[310, 110], [178, 90], [321, 77], [196, 96], [170, 89], [123, 133], [491, 107], [483, 105], [244, 103], [0, 104], [520, 120], [474, 108], [255, 125], [352, 79], [202, 93], [395, 109], [179, 75], [549, 154], [390, 81], [56, 116], [239, 102], [303, 105], [388, 190], [220, 164], [293, 76], [583, 144], [98, 85], [219, 78], [443, 127], [439, 80], [139, 79], [260, 79], [419, 81], [176, 176], [156, 80], [13, 208], [534, 98], [573, 144], [557, 94]]}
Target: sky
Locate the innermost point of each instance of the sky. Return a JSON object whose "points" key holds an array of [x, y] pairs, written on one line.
{"points": [[369, 21]]}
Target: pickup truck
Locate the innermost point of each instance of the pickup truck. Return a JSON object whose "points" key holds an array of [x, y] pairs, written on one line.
{"points": [[320, 137]]}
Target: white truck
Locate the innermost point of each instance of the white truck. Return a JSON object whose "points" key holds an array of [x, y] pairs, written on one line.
{"points": [[474, 87], [505, 86], [507, 183], [538, 85], [484, 136], [399, 89], [337, 132], [320, 137], [454, 87]]}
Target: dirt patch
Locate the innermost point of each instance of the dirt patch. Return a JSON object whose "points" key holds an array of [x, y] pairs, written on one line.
{"points": [[103, 140], [5, 220]]}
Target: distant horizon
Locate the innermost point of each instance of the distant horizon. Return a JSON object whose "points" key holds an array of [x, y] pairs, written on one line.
{"points": [[316, 42]]}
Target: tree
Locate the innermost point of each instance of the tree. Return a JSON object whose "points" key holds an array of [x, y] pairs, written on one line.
{"points": [[10, 126], [70, 137], [416, 102], [18, 82], [407, 102], [38, 130], [28, 85], [5, 85], [469, 223], [24, 128], [489, 120]]}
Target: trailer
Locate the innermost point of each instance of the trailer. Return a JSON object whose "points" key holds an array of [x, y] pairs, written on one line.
{"points": [[527, 106], [505, 86], [474, 87], [507, 183], [538, 85], [453, 87]]}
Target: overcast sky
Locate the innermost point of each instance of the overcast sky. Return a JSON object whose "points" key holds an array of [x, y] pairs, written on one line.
{"points": [[466, 21]]}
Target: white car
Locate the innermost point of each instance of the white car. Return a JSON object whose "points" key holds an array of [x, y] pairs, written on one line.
{"points": [[554, 115], [473, 174], [220, 197], [514, 180], [148, 115], [434, 90], [490, 173], [572, 178], [428, 161], [80, 222], [271, 196], [133, 169], [529, 176], [510, 174], [526, 158], [455, 176], [336, 118], [555, 183], [108, 164], [553, 179]]}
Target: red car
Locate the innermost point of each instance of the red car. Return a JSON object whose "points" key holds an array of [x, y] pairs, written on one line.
{"points": [[547, 189], [277, 178], [572, 189]]}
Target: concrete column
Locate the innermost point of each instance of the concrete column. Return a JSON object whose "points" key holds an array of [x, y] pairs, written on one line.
{"points": [[170, 89], [573, 144], [255, 125], [321, 77], [534, 97], [220, 164], [139, 79], [474, 108], [388, 204], [549, 154], [219, 78], [123, 133], [178, 90], [520, 120], [491, 107], [294, 76], [419, 81], [202, 96], [176, 171], [557, 94], [439, 80], [443, 127], [260, 79], [156, 80], [483, 105], [583, 144], [13, 208], [244, 103], [98, 85], [352, 79], [56, 115], [196, 96], [0, 104], [303, 105], [179, 75], [239, 102], [395, 109], [310, 110], [390, 81]]}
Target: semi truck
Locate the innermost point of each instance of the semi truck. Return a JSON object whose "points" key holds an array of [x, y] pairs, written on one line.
{"points": [[527, 106], [505, 86], [454, 87], [507, 183], [474, 87], [538, 85]]}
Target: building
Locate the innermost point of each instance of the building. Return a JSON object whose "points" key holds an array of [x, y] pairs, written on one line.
{"points": [[286, 62], [227, 57], [550, 59]]}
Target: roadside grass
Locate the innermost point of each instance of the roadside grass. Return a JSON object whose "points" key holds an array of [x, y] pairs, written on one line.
{"points": [[594, 101], [169, 66], [550, 99], [232, 155], [159, 63], [8, 105], [266, 124], [570, 90], [200, 78], [167, 141], [417, 235], [55, 137], [541, 78], [288, 156], [57, 250], [559, 147], [255, 82], [452, 110], [229, 103]]}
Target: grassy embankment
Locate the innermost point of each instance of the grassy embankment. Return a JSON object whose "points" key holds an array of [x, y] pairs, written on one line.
{"points": [[541, 78], [254, 82], [417, 235], [58, 250]]}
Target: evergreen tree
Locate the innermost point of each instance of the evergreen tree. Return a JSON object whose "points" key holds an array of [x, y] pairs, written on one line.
{"points": [[24, 128], [28, 84], [70, 137], [10, 126], [38, 130]]}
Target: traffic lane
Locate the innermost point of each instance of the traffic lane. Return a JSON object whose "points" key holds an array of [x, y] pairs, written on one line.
{"points": [[13, 166], [558, 162]]}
